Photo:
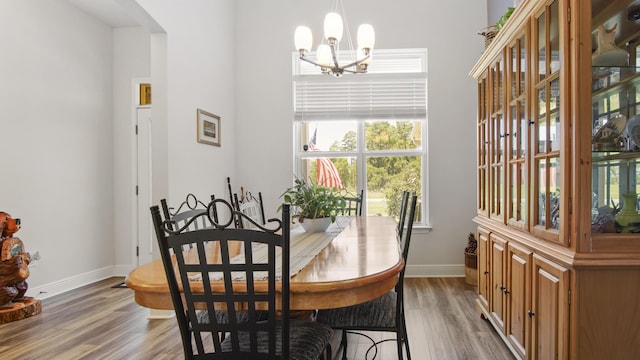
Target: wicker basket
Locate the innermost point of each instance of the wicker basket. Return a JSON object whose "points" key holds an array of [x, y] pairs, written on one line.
{"points": [[489, 33], [471, 269]]}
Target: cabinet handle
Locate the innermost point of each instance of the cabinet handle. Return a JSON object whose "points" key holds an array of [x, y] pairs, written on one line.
{"points": [[486, 272], [502, 288], [532, 122], [530, 313], [506, 292]]}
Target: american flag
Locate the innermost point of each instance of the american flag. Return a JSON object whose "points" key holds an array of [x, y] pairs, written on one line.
{"points": [[328, 175]]}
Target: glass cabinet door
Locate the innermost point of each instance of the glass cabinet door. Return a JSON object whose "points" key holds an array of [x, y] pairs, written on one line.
{"points": [[517, 205], [547, 126], [497, 141], [483, 146]]}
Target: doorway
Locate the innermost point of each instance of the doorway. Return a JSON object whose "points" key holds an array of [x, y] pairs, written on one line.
{"points": [[143, 156]]}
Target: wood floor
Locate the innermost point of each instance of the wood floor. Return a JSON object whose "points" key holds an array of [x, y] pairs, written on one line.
{"points": [[101, 322]]}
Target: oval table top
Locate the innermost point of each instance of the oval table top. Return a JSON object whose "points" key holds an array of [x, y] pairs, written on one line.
{"points": [[361, 263]]}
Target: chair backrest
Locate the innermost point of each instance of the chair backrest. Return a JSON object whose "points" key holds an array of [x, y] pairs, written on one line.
{"points": [[406, 239], [404, 246], [252, 210], [191, 208], [353, 205], [403, 213], [205, 274], [233, 199], [247, 203]]}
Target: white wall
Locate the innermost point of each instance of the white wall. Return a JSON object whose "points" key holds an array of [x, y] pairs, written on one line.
{"points": [[189, 68], [56, 136], [497, 8], [131, 60], [200, 74], [264, 104]]}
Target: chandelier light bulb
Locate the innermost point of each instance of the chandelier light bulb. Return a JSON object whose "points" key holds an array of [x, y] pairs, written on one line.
{"points": [[324, 55], [303, 38], [366, 36], [333, 26]]}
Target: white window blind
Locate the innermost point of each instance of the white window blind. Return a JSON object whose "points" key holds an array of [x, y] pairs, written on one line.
{"points": [[398, 91]]}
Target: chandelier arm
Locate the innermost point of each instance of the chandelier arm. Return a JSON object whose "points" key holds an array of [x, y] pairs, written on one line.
{"points": [[357, 62], [310, 61]]}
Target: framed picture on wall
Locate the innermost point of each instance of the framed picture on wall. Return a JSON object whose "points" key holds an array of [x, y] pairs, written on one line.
{"points": [[208, 128]]}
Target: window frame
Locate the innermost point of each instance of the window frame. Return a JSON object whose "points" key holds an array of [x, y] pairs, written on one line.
{"points": [[362, 154]]}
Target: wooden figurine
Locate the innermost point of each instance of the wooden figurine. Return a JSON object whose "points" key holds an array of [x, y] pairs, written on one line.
{"points": [[14, 271]]}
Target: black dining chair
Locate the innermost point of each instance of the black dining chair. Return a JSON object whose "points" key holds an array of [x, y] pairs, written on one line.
{"points": [[201, 287], [192, 215], [385, 313], [353, 205]]}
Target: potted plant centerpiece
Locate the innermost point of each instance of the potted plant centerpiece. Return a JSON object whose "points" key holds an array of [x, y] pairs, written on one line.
{"points": [[315, 206]]}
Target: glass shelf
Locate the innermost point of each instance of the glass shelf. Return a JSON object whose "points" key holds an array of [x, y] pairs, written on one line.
{"points": [[606, 77], [598, 156]]}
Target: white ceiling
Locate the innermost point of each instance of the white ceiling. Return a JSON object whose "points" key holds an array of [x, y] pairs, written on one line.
{"points": [[108, 11]]}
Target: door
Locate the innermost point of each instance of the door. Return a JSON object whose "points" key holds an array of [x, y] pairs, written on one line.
{"points": [[483, 268], [518, 296], [497, 301], [143, 189], [551, 111], [550, 310]]}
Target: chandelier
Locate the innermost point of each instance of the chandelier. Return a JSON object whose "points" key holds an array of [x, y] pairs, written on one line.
{"points": [[327, 53]]}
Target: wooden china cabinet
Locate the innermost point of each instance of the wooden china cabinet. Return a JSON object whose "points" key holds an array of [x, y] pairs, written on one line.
{"points": [[559, 267]]}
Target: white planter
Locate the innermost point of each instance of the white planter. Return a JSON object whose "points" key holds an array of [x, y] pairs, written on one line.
{"points": [[315, 225]]}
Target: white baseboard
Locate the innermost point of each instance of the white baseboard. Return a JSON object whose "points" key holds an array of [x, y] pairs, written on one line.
{"points": [[122, 270], [451, 270], [70, 283]]}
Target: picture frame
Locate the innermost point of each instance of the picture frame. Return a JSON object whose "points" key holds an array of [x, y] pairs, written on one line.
{"points": [[208, 128]]}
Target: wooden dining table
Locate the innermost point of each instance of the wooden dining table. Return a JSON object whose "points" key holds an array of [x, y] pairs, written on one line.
{"points": [[360, 263]]}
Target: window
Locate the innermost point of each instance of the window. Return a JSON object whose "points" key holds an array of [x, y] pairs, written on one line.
{"points": [[365, 131]]}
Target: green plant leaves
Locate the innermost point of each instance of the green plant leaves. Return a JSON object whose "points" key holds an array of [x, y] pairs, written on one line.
{"points": [[311, 201]]}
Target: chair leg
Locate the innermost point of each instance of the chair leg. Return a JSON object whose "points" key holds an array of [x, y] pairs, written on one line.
{"points": [[327, 353], [405, 336], [399, 343], [344, 344]]}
